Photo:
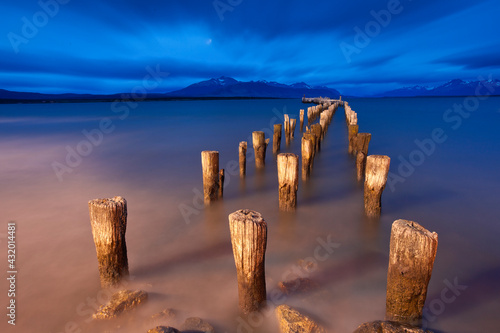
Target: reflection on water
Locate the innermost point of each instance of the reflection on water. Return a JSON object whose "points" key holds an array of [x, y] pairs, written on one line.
{"points": [[185, 261]]}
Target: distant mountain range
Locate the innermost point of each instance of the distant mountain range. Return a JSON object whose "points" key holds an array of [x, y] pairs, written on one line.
{"points": [[229, 87], [226, 87], [455, 87]]}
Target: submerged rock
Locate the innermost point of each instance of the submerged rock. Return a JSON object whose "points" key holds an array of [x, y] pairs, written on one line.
{"points": [[380, 326], [292, 321], [195, 324], [165, 315], [299, 285], [163, 329], [120, 301]]}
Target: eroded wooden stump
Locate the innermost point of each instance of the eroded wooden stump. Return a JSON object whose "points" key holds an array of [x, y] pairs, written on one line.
{"points": [[243, 158], [411, 259], [277, 138], [307, 152], [260, 145], [108, 218], [362, 142], [377, 169], [211, 177], [301, 117], [353, 131], [293, 123], [288, 178], [249, 240]]}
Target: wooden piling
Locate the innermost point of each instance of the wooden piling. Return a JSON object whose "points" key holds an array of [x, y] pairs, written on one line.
{"points": [[211, 181], [243, 158], [259, 145], [316, 130], [362, 142], [377, 169], [286, 129], [108, 218], [249, 239], [288, 178], [293, 122], [411, 259], [307, 150], [221, 182], [301, 117], [277, 138], [353, 131]]}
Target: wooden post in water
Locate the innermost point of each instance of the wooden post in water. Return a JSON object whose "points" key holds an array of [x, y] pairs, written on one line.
{"points": [[211, 181], [362, 142], [288, 178], [221, 182], [301, 115], [243, 158], [249, 240], [293, 122], [277, 138], [377, 169], [287, 129], [259, 145], [411, 259], [307, 149], [316, 130], [108, 218], [353, 131]]}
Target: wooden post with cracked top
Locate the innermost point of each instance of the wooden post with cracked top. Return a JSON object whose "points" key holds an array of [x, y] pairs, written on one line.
{"points": [[249, 240], [108, 218], [411, 260]]}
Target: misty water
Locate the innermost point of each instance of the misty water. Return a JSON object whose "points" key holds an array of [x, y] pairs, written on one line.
{"points": [[180, 252]]}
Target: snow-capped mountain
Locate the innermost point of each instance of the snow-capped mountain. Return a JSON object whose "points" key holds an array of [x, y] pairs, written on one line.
{"points": [[229, 87], [454, 87]]}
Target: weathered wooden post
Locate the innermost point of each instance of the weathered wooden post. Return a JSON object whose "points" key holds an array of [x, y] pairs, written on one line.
{"points": [[307, 149], [277, 138], [316, 130], [221, 183], [249, 241], [362, 142], [353, 131], [301, 116], [259, 145], [287, 129], [211, 180], [377, 169], [288, 178], [108, 218], [411, 259], [293, 123], [243, 158]]}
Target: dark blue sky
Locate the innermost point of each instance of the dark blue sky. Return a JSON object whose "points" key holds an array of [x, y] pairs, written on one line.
{"points": [[357, 47]]}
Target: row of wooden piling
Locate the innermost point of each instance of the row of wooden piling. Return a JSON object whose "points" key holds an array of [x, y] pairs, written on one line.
{"points": [[412, 247], [411, 258]]}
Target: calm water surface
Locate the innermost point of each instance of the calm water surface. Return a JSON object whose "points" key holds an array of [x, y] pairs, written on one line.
{"points": [[181, 254]]}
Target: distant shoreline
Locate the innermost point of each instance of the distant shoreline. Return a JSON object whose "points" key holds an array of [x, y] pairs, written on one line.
{"points": [[158, 99], [109, 100]]}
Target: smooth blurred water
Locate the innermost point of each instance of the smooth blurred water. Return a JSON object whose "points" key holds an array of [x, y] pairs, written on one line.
{"points": [[151, 156]]}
